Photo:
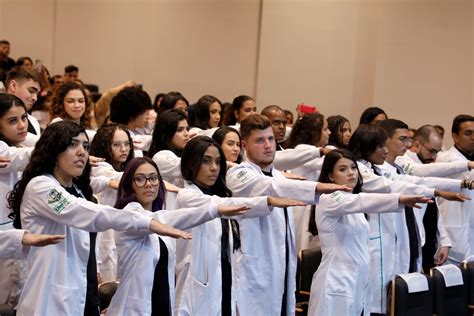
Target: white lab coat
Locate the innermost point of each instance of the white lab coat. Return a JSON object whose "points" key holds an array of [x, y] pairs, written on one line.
{"points": [[341, 284], [260, 262], [458, 217], [89, 132], [199, 274], [11, 246], [170, 169], [412, 165], [12, 271], [31, 139], [139, 254], [291, 158], [389, 239], [311, 170], [106, 251], [56, 281]]}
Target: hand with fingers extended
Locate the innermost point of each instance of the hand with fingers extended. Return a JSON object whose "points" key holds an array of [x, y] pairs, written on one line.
{"points": [[412, 200], [166, 230], [331, 187], [94, 161], [293, 176], [283, 202], [229, 210], [452, 196], [40, 240]]}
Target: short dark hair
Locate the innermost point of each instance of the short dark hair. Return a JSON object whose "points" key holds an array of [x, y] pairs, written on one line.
{"points": [[125, 192], [101, 145], [391, 125], [70, 68], [20, 73], [330, 161], [369, 114], [4, 42], [201, 115], [423, 133], [169, 101], [458, 120], [21, 61], [335, 125], [191, 160], [165, 128], [366, 139], [306, 131], [269, 108], [128, 104], [253, 122], [219, 136]]}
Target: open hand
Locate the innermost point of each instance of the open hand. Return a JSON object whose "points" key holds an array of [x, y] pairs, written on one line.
{"points": [[229, 210], [40, 240], [283, 202]]}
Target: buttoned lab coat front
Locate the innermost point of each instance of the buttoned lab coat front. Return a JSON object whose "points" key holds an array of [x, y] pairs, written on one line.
{"points": [[199, 273], [56, 280], [139, 253], [341, 284], [260, 262], [458, 217]]}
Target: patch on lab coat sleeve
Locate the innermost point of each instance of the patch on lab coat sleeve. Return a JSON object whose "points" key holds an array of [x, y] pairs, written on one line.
{"points": [[337, 196], [57, 201], [388, 175], [408, 168], [244, 175]]}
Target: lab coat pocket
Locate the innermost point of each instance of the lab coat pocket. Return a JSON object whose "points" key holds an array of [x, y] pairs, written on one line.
{"points": [[254, 273], [137, 306], [194, 300], [341, 289], [63, 300]]}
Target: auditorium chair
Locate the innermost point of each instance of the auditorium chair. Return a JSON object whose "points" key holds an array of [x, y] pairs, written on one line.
{"points": [[6, 310], [449, 290], [308, 262], [468, 267], [410, 295]]}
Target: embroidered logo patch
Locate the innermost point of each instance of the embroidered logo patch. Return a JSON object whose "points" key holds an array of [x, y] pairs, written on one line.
{"points": [[57, 201], [337, 196], [243, 175]]}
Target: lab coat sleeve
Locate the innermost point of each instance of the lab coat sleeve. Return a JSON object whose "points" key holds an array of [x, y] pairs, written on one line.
{"points": [[11, 246], [106, 170], [168, 163], [30, 140], [246, 182], [19, 157], [294, 157], [48, 199], [99, 184], [432, 182], [444, 240], [437, 169], [142, 142], [258, 205], [341, 203]]}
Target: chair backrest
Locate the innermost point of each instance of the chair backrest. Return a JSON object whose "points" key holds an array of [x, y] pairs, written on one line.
{"points": [[6, 310], [106, 292], [410, 295], [468, 267], [449, 290], [92, 87], [308, 262]]}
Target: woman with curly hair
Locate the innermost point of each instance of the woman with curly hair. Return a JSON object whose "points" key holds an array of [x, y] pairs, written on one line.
{"points": [[70, 103], [53, 197]]}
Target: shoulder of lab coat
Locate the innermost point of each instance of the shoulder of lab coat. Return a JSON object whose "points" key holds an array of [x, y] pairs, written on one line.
{"points": [[293, 157], [412, 165], [105, 169], [19, 157], [168, 163], [247, 180], [340, 203], [142, 142], [11, 246], [192, 196], [45, 197]]}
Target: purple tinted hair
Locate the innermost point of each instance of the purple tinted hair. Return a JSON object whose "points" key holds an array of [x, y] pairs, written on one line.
{"points": [[126, 194]]}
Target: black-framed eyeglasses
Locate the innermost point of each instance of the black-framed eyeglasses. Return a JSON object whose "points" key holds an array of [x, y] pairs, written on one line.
{"points": [[140, 181], [432, 151]]}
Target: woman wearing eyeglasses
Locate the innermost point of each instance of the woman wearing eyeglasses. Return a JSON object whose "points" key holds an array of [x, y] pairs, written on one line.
{"points": [[146, 263]]}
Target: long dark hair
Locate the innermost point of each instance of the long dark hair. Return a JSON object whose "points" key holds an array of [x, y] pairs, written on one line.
{"points": [[336, 126], [219, 136], [7, 101], [366, 139], [55, 139], [191, 161], [330, 161], [306, 131], [165, 128], [126, 194], [369, 114], [201, 114], [101, 145]]}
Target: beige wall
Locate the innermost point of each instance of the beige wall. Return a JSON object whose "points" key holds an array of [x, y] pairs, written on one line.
{"points": [[413, 58]]}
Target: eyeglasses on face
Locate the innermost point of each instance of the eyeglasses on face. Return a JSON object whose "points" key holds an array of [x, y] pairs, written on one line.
{"points": [[140, 180], [432, 151]]}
